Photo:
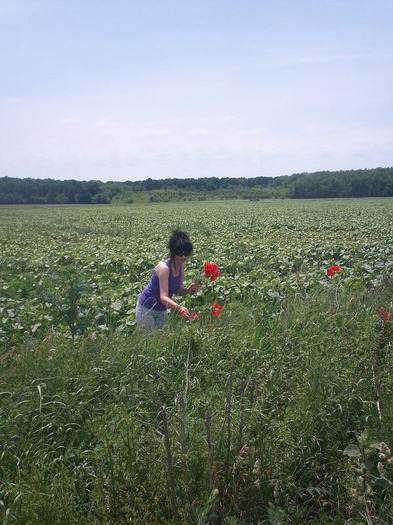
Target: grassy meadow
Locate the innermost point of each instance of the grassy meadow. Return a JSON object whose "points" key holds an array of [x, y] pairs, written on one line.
{"points": [[277, 411]]}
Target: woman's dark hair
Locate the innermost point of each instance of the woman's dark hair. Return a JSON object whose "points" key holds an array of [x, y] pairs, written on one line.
{"points": [[179, 243]]}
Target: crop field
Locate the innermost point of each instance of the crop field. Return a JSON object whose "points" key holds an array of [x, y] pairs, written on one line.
{"points": [[279, 410], [264, 249]]}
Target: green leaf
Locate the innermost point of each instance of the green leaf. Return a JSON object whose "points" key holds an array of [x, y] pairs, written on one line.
{"points": [[352, 451], [383, 482]]}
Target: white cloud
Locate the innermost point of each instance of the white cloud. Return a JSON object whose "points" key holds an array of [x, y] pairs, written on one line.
{"points": [[84, 139]]}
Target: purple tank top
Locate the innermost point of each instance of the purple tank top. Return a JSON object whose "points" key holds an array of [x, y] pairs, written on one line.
{"points": [[150, 295]]}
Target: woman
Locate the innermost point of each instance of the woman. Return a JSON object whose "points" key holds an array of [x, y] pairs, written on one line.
{"points": [[167, 280]]}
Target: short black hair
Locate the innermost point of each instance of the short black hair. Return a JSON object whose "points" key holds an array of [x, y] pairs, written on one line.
{"points": [[179, 243]]}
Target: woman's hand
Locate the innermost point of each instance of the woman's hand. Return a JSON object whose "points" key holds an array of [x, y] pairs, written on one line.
{"points": [[192, 288], [184, 312]]}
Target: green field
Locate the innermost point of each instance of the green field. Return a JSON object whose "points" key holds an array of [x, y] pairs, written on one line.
{"points": [[275, 412]]}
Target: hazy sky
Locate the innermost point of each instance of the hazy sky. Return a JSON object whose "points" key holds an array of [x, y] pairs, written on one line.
{"points": [[131, 89]]}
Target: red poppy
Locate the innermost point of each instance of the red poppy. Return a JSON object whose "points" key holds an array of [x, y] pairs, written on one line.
{"points": [[216, 313], [211, 271], [207, 268], [381, 310], [217, 306], [330, 271], [182, 312], [193, 315]]}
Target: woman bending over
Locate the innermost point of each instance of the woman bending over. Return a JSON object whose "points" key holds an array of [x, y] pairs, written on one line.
{"points": [[166, 281]]}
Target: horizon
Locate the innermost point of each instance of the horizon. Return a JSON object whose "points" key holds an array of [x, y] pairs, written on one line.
{"points": [[207, 177], [150, 89]]}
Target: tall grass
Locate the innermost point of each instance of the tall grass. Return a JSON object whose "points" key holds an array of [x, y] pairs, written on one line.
{"points": [[240, 419]]}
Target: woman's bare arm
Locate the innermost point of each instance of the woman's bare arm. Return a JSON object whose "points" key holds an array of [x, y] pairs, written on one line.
{"points": [[162, 272]]}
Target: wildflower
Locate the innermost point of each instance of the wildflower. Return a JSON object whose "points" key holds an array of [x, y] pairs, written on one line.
{"points": [[330, 271], [381, 468], [381, 310], [216, 309], [183, 313], [211, 271], [217, 306]]}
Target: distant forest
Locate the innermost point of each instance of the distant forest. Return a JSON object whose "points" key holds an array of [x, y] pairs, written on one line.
{"points": [[324, 184]]}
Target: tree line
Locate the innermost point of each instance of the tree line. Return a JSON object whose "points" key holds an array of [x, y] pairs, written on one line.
{"points": [[376, 182]]}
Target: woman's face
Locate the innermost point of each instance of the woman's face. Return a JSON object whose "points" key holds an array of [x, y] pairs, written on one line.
{"points": [[181, 257]]}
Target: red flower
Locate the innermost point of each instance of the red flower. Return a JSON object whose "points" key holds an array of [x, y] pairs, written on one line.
{"points": [[217, 306], [211, 271], [183, 313], [216, 313], [381, 310], [207, 268], [330, 271]]}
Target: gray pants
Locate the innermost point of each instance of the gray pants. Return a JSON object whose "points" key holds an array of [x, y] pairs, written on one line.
{"points": [[149, 319]]}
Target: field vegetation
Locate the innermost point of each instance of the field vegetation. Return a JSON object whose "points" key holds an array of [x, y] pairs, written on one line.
{"points": [[278, 410]]}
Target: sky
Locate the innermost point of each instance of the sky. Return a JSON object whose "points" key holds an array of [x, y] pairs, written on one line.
{"points": [[117, 90]]}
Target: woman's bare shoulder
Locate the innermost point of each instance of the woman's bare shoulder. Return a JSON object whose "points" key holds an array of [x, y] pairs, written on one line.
{"points": [[161, 268]]}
